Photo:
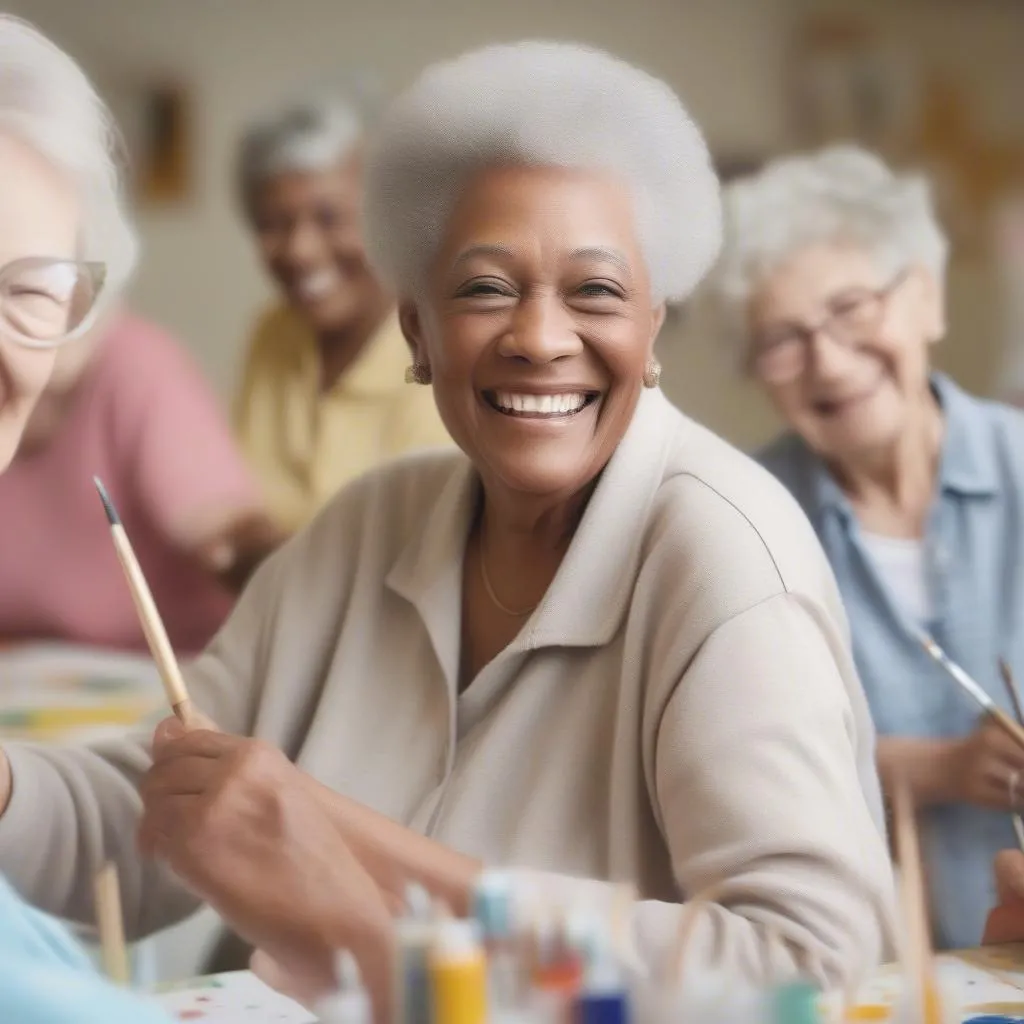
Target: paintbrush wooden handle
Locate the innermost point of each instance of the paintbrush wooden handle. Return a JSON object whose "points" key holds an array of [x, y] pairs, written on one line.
{"points": [[110, 923], [1012, 729], [152, 624]]}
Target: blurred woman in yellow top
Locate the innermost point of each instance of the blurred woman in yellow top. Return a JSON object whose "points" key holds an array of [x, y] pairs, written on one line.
{"points": [[323, 396]]}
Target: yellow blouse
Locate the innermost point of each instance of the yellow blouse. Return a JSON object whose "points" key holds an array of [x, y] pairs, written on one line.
{"points": [[304, 443]]}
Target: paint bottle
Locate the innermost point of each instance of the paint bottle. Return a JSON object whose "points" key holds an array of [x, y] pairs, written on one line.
{"points": [[458, 973], [795, 1003], [556, 975], [603, 998], [414, 932], [993, 1018], [588, 936], [558, 966], [494, 911], [350, 1003], [492, 908]]}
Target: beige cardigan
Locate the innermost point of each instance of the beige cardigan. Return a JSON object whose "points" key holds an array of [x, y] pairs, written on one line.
{"points": [[681, 708]]}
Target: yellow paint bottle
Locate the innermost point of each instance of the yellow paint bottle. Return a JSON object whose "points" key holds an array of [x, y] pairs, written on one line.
{"points": [[458, 974]]}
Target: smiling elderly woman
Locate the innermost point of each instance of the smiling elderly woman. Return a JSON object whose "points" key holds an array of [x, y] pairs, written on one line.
{"points": [[322, 398], [600, 645], [63, 234], [833, 271]]}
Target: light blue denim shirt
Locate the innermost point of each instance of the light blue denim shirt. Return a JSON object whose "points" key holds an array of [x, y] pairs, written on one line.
{"points": [[974, 550]]}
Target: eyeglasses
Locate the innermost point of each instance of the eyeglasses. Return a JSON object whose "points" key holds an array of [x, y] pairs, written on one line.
{"points": [[45, 301], [779, 355]]}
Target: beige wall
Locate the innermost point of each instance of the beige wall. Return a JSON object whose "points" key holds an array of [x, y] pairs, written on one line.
{"points": [[726, 58]]}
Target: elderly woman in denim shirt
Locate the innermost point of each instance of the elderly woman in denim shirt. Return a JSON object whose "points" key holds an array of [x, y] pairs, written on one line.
{"points": [[833, 276]]}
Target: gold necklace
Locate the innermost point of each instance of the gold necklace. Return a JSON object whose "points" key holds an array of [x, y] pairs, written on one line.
{"points": [[490, 590]]}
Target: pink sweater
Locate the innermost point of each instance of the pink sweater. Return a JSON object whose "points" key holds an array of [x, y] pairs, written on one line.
{"points": [[144, 421]]}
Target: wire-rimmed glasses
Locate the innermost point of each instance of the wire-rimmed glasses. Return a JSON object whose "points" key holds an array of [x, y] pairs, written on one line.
{"points": [[46, 301], [779, 354]]}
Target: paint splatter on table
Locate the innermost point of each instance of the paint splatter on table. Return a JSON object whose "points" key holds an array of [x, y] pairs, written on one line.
{"points": [[976, 982], [235, 998], [981, 982]]}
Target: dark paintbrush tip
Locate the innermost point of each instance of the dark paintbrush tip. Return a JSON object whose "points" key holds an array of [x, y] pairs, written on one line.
{"points": [[108, 505]]}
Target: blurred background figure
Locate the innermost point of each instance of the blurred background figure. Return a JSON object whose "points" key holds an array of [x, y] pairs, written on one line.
{"points": [[127, 404], [323, 395], [833, 276]]}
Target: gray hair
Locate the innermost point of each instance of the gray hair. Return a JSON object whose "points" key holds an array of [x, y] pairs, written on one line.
{"points": [[541, 104], [47, 101], [840, 194], [315, 132]]}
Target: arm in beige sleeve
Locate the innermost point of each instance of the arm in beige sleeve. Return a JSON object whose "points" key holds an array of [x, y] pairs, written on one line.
{"points": [[71, 808], [762, 778]]}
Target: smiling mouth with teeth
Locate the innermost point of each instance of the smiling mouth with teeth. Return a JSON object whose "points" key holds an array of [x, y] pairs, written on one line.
{"points": [[537, 407], [312, 287]]}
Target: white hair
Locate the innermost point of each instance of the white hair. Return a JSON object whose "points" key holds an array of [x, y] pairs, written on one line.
{"points": [[47, 101], [841, 194], [315, 132], [541, 104]]}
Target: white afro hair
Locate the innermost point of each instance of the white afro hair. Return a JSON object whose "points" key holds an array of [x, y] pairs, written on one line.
{"points": [[541, 104]]}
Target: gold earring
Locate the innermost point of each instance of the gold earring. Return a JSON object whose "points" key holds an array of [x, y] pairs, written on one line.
{"points": [[652, 374], [419, 373]]}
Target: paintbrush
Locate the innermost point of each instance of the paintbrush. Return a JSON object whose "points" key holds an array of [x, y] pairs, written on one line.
{"points": [[970, 686], [917, 955], [111, 924], [1011, 690], [149, 617]]}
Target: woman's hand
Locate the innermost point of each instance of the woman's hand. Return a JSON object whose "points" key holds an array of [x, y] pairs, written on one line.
{"points": [[1006, 920], [982, 765], [240, 825], [1009, 870], [235, 551]]}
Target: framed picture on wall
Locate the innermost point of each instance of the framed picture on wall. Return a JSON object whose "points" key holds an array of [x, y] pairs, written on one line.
{"points": [[852, 83], [155, 118]]}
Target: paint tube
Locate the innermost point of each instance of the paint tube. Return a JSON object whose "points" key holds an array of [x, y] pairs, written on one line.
{"points": [[414, 932], [458, 973]]}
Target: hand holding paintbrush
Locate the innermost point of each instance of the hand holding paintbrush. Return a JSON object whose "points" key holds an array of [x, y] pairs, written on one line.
{"points": [[1013, 729], [989, 761], [152, 624], [1018, 710]]}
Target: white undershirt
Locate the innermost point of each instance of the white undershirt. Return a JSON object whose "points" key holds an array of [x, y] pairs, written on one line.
{"points": [[903, 569]]}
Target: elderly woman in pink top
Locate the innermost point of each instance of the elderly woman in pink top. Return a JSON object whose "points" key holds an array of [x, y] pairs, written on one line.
{"points": [[126, 403]]}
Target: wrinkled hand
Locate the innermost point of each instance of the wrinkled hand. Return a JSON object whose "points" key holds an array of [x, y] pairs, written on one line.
{"points": [[982, 765], [238, 549], [1009, 870], [240, 825], [1005, 921]]}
